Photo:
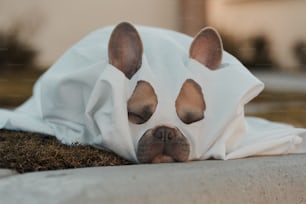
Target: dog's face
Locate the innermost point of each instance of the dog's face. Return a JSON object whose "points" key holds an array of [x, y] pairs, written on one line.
{"points": [[163, 142]]}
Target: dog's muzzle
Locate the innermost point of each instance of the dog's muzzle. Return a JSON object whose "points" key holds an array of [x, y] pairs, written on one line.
{"points": [[163, 144]]}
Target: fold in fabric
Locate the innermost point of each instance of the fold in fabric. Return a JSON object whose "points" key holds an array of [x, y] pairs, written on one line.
{"points": [[83, 99]]}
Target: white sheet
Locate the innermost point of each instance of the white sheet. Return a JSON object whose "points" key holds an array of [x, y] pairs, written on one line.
{"points": [[82, 99]]}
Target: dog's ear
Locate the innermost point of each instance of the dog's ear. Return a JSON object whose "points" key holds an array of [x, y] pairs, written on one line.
{"points": [[125, 49], [207, 48]]}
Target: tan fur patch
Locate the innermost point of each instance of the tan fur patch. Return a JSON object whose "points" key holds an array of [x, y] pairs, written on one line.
{"points": [[190, 104]]}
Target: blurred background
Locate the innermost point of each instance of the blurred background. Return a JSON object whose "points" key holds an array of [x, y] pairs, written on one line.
{"points": [[268, 36], [261, 33]]}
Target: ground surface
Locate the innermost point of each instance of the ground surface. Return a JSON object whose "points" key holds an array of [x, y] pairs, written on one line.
{"points": [[26, 152]]}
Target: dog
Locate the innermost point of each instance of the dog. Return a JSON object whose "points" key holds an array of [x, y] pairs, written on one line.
{"points": [[163, 142], [152, 95]]}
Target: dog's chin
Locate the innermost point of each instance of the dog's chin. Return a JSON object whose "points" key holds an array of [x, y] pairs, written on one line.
{"points": [[162, 159]]}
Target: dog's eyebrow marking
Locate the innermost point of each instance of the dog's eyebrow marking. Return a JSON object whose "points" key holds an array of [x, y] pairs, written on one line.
{"points": [[142, 104], [190, 104]]}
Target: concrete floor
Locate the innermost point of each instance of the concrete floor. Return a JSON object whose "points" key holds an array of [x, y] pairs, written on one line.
{"points": [[280, 179]]}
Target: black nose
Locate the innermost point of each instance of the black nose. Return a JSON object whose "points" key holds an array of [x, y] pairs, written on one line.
{"points": [[165, 134]]}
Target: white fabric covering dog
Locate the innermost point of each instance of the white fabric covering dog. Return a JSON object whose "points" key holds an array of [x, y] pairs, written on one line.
{"points": [[193, 94]]}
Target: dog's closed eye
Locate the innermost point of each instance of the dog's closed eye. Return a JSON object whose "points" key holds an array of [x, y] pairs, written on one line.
{"points": [[142, 103], [141, 115], [189, 117]]}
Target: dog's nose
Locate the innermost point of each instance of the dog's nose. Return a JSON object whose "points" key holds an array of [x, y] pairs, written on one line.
{"points": [[165, 134]]}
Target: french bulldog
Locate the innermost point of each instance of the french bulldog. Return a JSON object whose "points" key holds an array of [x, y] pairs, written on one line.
{"points": [[163, 142]]}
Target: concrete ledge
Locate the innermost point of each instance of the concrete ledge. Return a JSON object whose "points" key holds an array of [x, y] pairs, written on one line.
{"points": [[6, 173], [255, 180], [282, 81]]}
